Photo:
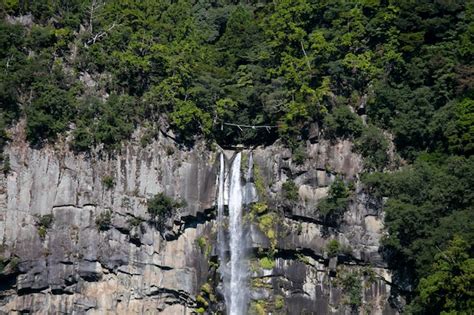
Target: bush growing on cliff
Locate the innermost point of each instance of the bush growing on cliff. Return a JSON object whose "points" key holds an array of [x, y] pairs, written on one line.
{"points": [[342, 123], [162, 207], [108, 181], [104, 220], [43, 223], [334, 205], [290, 190], [373, 146], [351, 284], [335, 248]]}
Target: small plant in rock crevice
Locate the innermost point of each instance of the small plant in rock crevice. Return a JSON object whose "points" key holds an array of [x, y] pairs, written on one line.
{"points": [[43, 223], [290, 190], [266, 263], [104, 220], [334, 205], [162, 207], [108, 181], [351, 284], [334, 248]]}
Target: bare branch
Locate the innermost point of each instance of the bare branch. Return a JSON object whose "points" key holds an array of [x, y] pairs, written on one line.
{"points": [[100, 35]]}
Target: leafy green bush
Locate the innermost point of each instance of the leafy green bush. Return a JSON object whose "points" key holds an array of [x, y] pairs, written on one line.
{"points": [[49, 113], [342, 123], [279, 302], [299, 155], [266, 263], [104, 220], [43, 223], [290, 190], [108, 181], [334, 205], [333, 247], [352, 287], [373, 146], [162, 207]]}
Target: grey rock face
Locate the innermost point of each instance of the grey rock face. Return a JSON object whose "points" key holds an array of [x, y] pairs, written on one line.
{"points": [[72, 266]]}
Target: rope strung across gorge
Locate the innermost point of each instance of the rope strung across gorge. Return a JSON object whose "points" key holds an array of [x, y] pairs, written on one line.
{"points": [[248, 126]]}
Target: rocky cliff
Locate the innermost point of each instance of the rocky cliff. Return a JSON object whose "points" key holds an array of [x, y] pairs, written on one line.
{"points": [[76, 236]]}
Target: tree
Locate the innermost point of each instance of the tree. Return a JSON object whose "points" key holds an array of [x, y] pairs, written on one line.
{"points": [[449, 289]]}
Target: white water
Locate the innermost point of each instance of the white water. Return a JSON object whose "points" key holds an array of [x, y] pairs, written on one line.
{"points": [[238, 277], [221, 240], [233, 270]]}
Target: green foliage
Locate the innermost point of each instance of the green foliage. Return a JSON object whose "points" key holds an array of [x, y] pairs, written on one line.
{"points": [[449, 287], [290, 190], [257, 308], [202, 243], [453, 127], [260, 184], [342, 123], [429, 202], [161, 207], [279, 302], [103, 220], [108, 181], [373, 146], [266, 263], [299, 155], [259, 208], [135, 221], [334, 205], [352, 287], [267, 224], [284, 64], [43, 223], [45, 220], [6, 167], [333, 247]]}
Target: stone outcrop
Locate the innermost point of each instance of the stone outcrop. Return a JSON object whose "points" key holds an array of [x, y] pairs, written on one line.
{"points": [[70, 265]]}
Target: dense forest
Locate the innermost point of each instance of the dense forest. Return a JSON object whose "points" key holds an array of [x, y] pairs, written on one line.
{"points": [[381, 73]]}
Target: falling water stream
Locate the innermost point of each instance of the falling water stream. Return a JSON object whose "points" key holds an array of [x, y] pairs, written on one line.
{"points": [[235, 194]]}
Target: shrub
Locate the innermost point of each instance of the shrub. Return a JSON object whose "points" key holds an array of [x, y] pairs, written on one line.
{"points": [[373, 146], [6, 165], [104, 220], [279, 302], [201, 242], [108, 181], [161, 207], [352, 288], [299, 154], [333, 247], [266, 224], [135, 221], [259, 207], [44, 222], [333, 206], [266, 263], [290, 190], [342, 123]]}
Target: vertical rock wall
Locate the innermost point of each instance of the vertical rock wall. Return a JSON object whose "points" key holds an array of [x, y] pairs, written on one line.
{"points": [[72, 266]]}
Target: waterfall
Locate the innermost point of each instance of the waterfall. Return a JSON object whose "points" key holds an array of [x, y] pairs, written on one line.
{"points": [[221, 240], [233, 270], [237, 265]]}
